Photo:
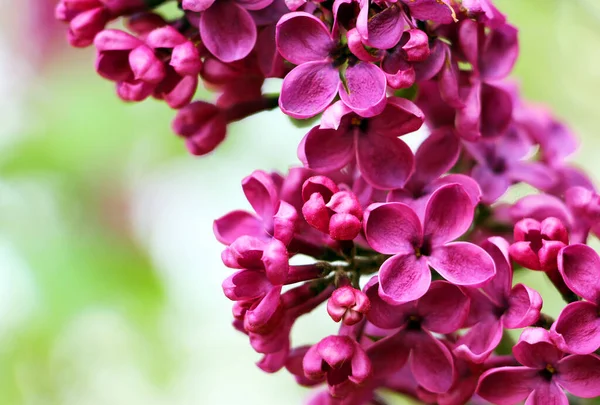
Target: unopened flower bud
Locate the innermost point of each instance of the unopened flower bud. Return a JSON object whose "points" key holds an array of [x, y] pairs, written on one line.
{"points": [[349, 305], [537, 244]]}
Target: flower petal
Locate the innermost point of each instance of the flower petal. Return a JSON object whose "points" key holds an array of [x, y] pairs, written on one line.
{"points": [[327, 150], [508, 385], [400, 116], [463, 263], [227, 31], [431, 363], [535, 349], [448, 215], [444, 308], [302, 37], [524, 306], [392, 228], [500, 53], [382, 314], [385, 28], [309, 89], [577, 328], [365, 90], [580, 267], [499, 286], [235, 224], [385, 162], [403, 278], [547, 393], [436, 155], [261, 193], [580, 375], [480, 341]]}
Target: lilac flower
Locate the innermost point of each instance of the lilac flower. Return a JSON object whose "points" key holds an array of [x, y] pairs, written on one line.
{"points": [[545, 373], [537, 244], [436, 155], [349, 305], [398, 62], [87, 18], [203, 125], [339, 360], [274, 219], [439, 11], [500, 306], [577, 328], [385, 161], [443, 309], [394, 228], [226, 27], [331, 211], [311, 86]]}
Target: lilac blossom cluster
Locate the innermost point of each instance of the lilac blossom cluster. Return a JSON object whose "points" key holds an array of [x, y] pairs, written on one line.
{"points": [[412, 252]]}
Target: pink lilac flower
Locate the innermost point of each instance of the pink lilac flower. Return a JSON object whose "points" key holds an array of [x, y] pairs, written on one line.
{"points": [[87, 18], [385, 161], [311, 86], [349, 305], [394, 228], [546, 372], [536, 244], [497, 306], [398, 62], [339, 360], [226, 26], [577, 328], [443, 309]]}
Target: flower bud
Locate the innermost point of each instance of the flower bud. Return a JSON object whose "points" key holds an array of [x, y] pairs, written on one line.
{"points": [[415, 45], [202, 125], [537, 244], [349, 305]]}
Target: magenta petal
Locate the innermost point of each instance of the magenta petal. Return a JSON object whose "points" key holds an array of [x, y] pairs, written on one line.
{"points": [[309, 89], [328, 149], [500, 52], [580, 375], [498, 289], [508, 385], [524, 306], [577, 328], [197, 5], [448, 215], [492, 185], [228, 31], [254, 4], [431, 363], [463, 263], [580, 267], [533, 173], [480, 341], [246, 285], [275, 259], [385, 162], [547, 393], [145, 65], [438, 11], [400, 116], [403, 278], [385, 28], [389, 354], [535, 349], [382, 314], [444, 308], [333, 115], [392, 228], [284, 222], [496, 111], [302, 37], [436, 155], [235, 224], [261, 194], [365, 90]]}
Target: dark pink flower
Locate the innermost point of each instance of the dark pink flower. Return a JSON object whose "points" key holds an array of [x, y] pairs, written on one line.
{"points": [[545, 373], [331, 211], [536, 244], [394, 228], [398, 62], [87, 18], [226, 26], [385, 161], [203, 125], [443, 309], [499, 306], [311, 86], [349, 305], [339, 360], [577, 328]]}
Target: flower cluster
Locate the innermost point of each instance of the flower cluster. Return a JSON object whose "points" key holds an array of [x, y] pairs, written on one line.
{"points": [[412, 252]]}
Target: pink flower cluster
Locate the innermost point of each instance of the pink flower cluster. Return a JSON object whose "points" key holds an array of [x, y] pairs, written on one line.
{"points": [[412, 252]]}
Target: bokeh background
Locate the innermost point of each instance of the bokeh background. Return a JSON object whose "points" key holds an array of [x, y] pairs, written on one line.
{"points": [[109, 274]]}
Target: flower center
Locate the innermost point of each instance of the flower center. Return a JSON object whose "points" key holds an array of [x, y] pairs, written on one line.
{"points": [[548, 372]]}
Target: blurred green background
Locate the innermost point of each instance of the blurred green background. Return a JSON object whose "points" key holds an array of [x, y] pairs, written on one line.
{"points": [[109, 274]]}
